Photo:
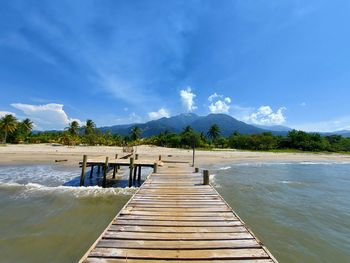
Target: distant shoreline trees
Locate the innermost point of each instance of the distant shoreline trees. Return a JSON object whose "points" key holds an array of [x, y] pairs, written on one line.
{"points": [[15, 131]]}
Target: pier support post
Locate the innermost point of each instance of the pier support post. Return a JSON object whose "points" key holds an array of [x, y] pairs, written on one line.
{"points": [[91, 171], [139, 175], [98, 169], [83, 168], [160, 158], [205, 177], [136, 156], [114, 171], [105, 170], [196, 170], [155, 168], [131, 169], [135, 173], [115, 167]]}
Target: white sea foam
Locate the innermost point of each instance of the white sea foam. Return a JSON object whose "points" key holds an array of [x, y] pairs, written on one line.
{"points": [[30, 189]]}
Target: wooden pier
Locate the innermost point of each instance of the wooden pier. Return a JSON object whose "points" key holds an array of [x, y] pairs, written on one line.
{"points": [[175, 217], [133, 163]]}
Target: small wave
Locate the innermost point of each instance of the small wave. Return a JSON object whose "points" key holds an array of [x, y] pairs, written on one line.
{"points": [[26, 190], [292, 182], [224, 168]]}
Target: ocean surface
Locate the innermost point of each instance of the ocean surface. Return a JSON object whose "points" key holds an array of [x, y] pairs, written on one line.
{"points": [[300, 211]]}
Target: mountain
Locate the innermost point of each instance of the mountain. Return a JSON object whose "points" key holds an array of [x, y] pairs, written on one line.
{"points": [[344, 133], [227, 125], [277, 128], [177, 123]]}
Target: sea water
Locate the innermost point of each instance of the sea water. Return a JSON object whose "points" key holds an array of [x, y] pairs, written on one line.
{"points": [[46, 217], [300, 211]]}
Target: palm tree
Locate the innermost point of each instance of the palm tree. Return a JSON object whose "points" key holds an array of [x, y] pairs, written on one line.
{"points": [[8, 124], [27, 126], [213, 132], [89, 127], [73, 128], [135, 133]]}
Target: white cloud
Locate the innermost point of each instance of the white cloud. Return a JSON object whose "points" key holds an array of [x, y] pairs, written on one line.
{"points": [[154, 115], [214, 96], [47, 117], [303, 104], [219, 107], [187, 98], [219, 103], [3, 113], [266, 116]]}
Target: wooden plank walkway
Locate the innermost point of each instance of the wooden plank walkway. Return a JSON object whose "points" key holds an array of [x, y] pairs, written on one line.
{"points": [[174, 217]]}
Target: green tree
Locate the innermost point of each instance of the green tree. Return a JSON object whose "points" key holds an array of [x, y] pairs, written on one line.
{"points": [[188, 128], [27, 126], [89, 127], [213, 132], [24, 129], [8, 125], [135, 133], [73, 128]]}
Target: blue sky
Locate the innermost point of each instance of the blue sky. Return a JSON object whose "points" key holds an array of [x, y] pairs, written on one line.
{"points": [[261, 61]]}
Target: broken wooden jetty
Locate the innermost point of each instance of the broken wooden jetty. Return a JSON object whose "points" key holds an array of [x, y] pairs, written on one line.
{"points": [[133, 163], [177, 216]]}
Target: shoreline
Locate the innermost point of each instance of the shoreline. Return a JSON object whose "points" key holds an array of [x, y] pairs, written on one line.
{"points": [[47, 154]]}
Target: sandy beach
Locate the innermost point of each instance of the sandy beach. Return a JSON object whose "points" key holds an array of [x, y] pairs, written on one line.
{"points": [[48, 153]]}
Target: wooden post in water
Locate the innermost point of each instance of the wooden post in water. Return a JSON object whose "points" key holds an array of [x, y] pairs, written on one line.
{"points": [[91, 171], [114, 171], [139, 175], [98, 169], [155, 168], [131, 169], [83, 168], [135, 169], [196, 170], [105, 170], [115, 167], [205, 177]]}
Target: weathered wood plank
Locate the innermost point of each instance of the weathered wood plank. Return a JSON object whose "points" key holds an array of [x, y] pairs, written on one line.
{"points": [[178, 229], [181, 209], [177, 223], [178, 218], [176, 236], [121, 260], [179, 244], [253, 253]]}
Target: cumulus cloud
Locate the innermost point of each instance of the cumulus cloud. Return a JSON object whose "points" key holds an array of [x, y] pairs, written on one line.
{"points": [[187, 99], [219, 103], [154, 115], [47, 117], [266, 116], [3, 113]]}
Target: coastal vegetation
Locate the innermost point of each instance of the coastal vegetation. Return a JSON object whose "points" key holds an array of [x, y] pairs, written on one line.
{"points": [[15, 131]]}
